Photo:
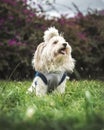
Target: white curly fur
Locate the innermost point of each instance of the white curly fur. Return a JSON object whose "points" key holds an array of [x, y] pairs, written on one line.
{"points": [[51, 32], [54, 54]]}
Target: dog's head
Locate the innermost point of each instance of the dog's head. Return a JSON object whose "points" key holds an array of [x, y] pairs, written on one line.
{"points": [[54, 53], [56, 44]]}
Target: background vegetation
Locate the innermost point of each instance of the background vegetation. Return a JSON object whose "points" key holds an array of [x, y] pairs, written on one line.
{"points": [[21, 30]]}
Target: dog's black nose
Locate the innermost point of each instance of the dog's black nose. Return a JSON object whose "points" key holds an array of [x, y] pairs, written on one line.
{"points": [[64, 44]]}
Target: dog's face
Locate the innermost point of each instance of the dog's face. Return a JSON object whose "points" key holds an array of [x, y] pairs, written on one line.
{"points": [[54, 54], [58, 47]]}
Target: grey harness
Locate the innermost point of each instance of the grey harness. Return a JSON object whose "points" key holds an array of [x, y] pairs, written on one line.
{"points": [[52, 79]]}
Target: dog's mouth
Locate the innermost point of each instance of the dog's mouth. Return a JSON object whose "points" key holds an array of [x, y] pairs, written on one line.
{"points": [[62, 51]]}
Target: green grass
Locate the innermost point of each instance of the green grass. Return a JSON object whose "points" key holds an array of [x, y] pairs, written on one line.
{"points": [[81, 107]]}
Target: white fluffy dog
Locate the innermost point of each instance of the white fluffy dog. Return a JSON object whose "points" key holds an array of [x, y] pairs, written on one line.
{"points": [[51, 61]]}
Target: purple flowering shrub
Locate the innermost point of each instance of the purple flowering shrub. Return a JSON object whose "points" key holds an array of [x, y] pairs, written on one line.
{"points": [[92, 59], [21, 30]]}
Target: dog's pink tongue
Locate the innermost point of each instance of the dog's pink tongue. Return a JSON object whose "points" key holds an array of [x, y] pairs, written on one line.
{"points": [[63, 52]]}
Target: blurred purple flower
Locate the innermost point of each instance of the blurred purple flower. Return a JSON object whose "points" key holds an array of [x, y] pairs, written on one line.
{"points": [[72, 23], [62, 21], [31, 15], [81, 35], [1, 43], [25, 11], [12, 42], [43, 28], [1, 21], [79, 15], [10, 17], [11, 2], [101, 12], [28, 20]]}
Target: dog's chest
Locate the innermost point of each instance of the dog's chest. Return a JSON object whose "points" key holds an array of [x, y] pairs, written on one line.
{"points": [[53, 80]]}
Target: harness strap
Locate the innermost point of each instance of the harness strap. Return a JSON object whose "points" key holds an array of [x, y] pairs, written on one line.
{"points": [[62, 79], [41, 76]]}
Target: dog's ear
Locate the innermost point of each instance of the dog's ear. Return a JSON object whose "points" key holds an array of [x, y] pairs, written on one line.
{"points": [[36, 62], [51, 32]]}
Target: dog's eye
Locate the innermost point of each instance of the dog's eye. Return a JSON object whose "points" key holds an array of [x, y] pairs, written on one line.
{"points": [[55, 42]]}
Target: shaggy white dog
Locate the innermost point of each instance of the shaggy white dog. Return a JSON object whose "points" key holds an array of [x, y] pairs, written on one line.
{"points": [[51, 61]]}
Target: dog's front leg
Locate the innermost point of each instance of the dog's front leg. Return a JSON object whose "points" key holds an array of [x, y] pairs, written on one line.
{"points": [[32, 87], [40, 87], [61, 88]]}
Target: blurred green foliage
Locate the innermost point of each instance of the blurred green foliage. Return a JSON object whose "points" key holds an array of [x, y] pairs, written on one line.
{"points": [[81, 107]]}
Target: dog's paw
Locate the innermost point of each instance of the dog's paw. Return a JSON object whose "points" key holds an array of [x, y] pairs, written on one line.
{"points": [[30, 90]]}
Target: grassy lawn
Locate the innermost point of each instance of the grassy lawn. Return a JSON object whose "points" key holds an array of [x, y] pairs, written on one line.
{"points": [[80, 108]]}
